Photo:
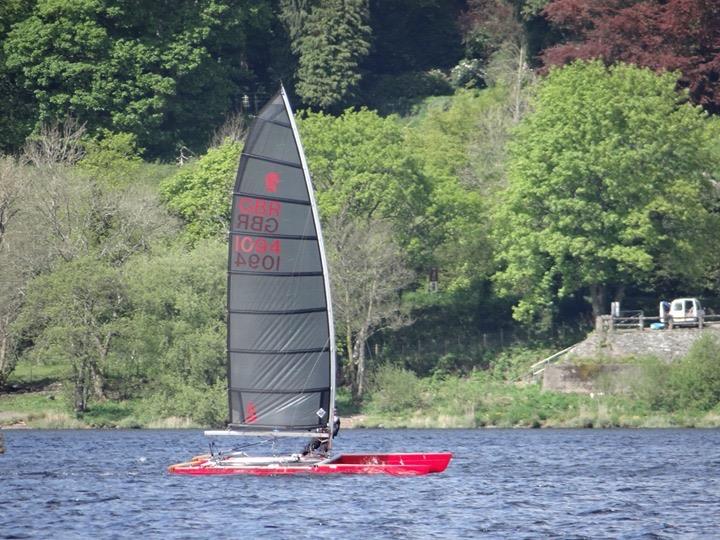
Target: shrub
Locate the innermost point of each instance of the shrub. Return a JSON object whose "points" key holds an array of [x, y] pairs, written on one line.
{"points": [[393, 389]]}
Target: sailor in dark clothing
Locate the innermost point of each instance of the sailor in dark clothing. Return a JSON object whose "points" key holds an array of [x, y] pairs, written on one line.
{"points": [[320, 446]]}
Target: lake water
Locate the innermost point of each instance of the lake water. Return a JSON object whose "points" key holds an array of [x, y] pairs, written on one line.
{"points": [[501, 484]]}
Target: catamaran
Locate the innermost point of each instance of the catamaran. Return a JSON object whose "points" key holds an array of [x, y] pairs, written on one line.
{"points": [[280, 337]]}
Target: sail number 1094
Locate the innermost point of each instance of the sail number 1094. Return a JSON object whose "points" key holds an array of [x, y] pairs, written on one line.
{"points": [[257, 253]]}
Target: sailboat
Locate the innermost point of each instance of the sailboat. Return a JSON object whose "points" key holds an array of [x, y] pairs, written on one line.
{"points": [[280, 337]]}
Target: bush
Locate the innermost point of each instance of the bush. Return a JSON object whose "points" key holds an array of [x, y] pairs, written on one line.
{"points": [[696, 379], [692, 383], [398, 93], [205, 405], [393, 389]]}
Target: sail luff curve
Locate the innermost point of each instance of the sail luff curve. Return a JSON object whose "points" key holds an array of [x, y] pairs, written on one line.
{"points": [[281, 347]]}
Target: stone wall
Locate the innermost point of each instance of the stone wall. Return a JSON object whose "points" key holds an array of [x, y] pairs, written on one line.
{"points": [[590, 378], [668, 345], [575, 375]]}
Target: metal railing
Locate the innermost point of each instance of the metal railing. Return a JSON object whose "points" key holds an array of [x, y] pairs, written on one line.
{"points": [[538, 367]]}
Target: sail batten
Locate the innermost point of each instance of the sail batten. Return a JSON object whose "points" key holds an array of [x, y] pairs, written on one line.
{"points": [[281, 350], [273, 160]]}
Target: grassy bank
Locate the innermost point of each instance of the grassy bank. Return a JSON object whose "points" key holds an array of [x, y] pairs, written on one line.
{"points": [[423, 403], [682, 394], [468, 403]]}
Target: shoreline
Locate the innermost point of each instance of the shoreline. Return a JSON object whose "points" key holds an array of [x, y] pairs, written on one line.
{"points": [[38, 421]]}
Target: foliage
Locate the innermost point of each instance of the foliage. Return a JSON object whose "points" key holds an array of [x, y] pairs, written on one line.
{"points": [[331, 43], [74, 314], [176, 335], [663, 35], [113, 160], [205, 405], [693, 383], [368, 272], [399, 93], [362, 167], [16, 108], [200, 191], [413, 35], [107, 63], [598, 196], [456, 240], [394, 389]]}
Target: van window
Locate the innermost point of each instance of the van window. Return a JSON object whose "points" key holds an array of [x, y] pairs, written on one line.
{"points": [[677, 306]]}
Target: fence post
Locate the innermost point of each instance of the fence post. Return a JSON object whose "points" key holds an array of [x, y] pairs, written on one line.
{"points": [[641, 320]]}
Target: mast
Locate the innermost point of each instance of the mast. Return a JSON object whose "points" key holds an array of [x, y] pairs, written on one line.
{"points": [[323, 260]]}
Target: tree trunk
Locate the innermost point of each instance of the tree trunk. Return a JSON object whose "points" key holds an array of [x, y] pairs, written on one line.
{"points": [[98, 382], [597, 295], [6, 366], [360, 352], [81, 386], [96, 374]]}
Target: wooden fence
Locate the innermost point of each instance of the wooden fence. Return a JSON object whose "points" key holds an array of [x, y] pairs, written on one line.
{"points": [[637, 320]]}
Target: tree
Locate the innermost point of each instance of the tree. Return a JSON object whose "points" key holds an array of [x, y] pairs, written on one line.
{"points": [[13, 191], [16, 108], [175, 339], [367, 274], [200, 192], [75, 313], [373, 199], [361, 165], [608, 186], [330, 46], [668, 35], [166, 72]]}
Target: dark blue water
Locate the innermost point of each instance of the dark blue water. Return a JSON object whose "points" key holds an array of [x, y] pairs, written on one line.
{"points": [[501, 484]]}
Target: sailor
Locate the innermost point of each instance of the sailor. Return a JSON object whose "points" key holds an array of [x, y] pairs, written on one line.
{"points": [[320, 446]]}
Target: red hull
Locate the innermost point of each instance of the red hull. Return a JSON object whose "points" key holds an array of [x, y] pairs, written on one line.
{"points": [[405, 464]]}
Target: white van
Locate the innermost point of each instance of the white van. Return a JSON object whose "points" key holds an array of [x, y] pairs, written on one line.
{"points": [[681, 311]]}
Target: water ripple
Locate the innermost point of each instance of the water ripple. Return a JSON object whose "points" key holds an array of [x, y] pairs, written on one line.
{"points": [[564, 484]]}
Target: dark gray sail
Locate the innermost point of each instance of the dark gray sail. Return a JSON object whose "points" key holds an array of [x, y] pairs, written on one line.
{"points": [[281, 357]]}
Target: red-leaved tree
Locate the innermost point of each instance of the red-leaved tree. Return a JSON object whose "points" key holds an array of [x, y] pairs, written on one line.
{"points": [[681, 35]]}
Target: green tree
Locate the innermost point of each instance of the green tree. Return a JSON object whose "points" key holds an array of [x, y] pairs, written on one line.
{"points": [[332, 42], [175, 338], [608, 187], [361, 165], [17, 113], [200, 192], [113, 159], [166, 72], [367, 271], [75, 314]]}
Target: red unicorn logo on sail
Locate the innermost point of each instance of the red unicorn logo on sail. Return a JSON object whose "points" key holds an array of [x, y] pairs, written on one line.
{"points": [[250, 413], [272, 179]]}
